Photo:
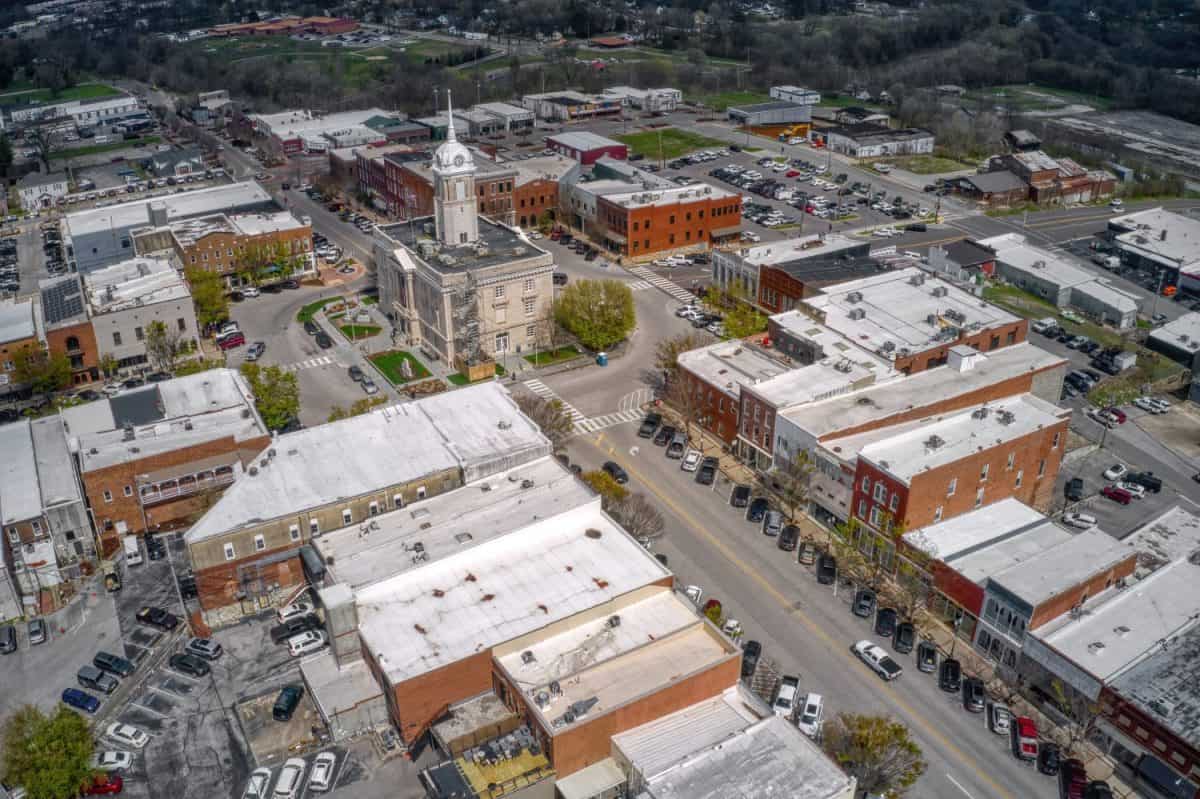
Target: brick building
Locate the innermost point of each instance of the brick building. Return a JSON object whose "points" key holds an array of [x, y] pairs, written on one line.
{"points": [[585, 147], [778, 275], [152, 458], [230, 243], [644, 223], [17, 332], [68, 327]]}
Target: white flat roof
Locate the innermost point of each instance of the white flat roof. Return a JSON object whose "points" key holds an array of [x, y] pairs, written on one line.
{"points": [[20, 497], [504, 110], [137, 282], [478, 429], [894, 397], [1161, 234], [1060, 566], [16, 320], [452, 522], [974, 529], [582, 139], [1103, 291], [1172, 536], [257, 224], [769, 758], [1015, 251], [446, 610], [1182, 333], [646, 198], [813, 246], [906, 450], [292, 124], [904, 310], [179, 206], [56, 471], [729, 364]]}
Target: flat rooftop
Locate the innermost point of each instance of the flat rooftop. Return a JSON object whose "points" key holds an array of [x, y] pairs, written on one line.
{"points": [[820, 272], [1170, 537], [873, 403], [582, 140], [20, 496], [259, 224], [1182, 333], [1013, 250], [1165, 685], [449, 609], [648, 198], [478, 429], [958, 538], [774, 105], [230, 197], [16, 320], [450, 522], [769, 758], [584, 659], [505, 110], [1060, 567], [497, 245], [814, 246], [904, 311], [1102, 291], [728, 365], [1163, 235], [291, 124], [135, 283], [909, 449], [871, 133]]}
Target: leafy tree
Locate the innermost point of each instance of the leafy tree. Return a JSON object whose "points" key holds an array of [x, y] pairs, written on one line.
{"points": [[43, 372], [269, 262], [550, 415], [667, 352], [876, 750], [49, 755], [276, 394], [741, 317], [197, 365], [42, 139], [109, 365], [6, 153], [164, 345], [208, 295], [638, 516], [357, 409], [599, 313], [611, 492]]}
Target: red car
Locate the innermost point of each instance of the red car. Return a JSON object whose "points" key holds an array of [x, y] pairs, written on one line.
{"points": [[1072, 779], [104, 785], [1025, 739], [235, 339], [1117, 494], [792, 173], [1117, 414]]}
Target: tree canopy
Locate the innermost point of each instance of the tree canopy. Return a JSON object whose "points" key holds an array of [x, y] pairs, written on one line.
{"points": [[43, 372], [208, 294], [550, 415], [599, 313], [276, 394], [50, 756], [876, 750]]}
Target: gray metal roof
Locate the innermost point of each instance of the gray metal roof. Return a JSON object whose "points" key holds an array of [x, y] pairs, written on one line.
{"points": [[992, 182]]}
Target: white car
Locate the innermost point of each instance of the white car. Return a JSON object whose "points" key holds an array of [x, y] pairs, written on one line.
{"points": [[686, 311], [249, 291], [878, 660], [258, 784], [999, 719], [1138, 490], [694, 593], [691, 461], [126, 734], [112, 760], [1081, 521], [785, 697], [812, 715], [1100, 417], [305, 643], [1115, 472], [1161, 404], [291, 778], [1146, 404], [321, 776], [292, 611]]}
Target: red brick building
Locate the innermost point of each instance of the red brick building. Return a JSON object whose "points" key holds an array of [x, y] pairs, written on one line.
{"points": [[643, 223], [585, 147], [68, 329]]}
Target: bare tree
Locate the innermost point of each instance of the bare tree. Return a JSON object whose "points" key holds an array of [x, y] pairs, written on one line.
{"points": [[164, 345], [667, 352], [791, 481], [43, 142], [682, 394], [550, 415], [639, 517]]}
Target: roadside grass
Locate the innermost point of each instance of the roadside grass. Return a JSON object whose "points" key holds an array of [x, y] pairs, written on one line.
{"points": [[84, 91], [307, 313], [389, 364], [356, 332], [95, 149], [719, 101], [553, 356], [674, 142], [928, 164], [1022, 303]]}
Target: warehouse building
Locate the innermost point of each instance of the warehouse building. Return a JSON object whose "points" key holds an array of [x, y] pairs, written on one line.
{"points": [[1158, 239], [1178, 339], [567, 105], [869, 140], [512, 118], [777, 112], [652, 101], [796, 95], [586, 147]]}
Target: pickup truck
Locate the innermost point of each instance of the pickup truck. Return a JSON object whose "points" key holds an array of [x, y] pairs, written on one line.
{"points": [[1025, 738], [877, 658]]}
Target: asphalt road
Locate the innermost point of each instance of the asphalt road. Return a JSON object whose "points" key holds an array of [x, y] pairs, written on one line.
{"points": [[806, 629]]}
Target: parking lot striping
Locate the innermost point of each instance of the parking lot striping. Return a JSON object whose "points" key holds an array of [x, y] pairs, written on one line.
{"points": [[545, 392], [635, 399], [323, 360], [674, 289], [769, 588], [956, 785], [596, 423]]}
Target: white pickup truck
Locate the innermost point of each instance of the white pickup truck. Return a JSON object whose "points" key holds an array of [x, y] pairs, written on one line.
{"points": [[133, 554]]}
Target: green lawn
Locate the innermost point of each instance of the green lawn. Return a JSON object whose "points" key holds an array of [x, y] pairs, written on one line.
{"points": [[309, 311], [927, 164], [357, 332], [719, 101], [1035, 98], [84, 91], [457, 379], [672, 141], [77, 152], [370, 299], [389, 364], [1030, 306], [554, 356]]}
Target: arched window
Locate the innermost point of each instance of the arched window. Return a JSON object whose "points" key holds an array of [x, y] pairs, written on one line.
{"points": [[72, 343]]}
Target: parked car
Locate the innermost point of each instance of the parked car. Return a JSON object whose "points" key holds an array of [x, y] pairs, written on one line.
{"points": [[189, 665], [249, 291], [80, 699], [678, 444], [1048, 757], [649, 425], [256, 350], [758, 509], [864, 603], [812, 715], [1074, 489], [927, 657], [8, 640], [1117, 494], [1135, 490], [973, 695], [950, 675], [1081, 521], [751, 652], [91, 677], [1147, 480], [321, 776], [157, 617], [772, 523], [369, 386], [126, 735], [293, 627], [1072, 779], [616, 472], [113, 664], [691, 460], [784, 703], [1097, 789], [707, 473], [289, 783], [38, 632], [664, 435], [905, 637], [112, 760], [740, 496], [258, 784], [103, 785], [323, 340], [999, 718], [231, 341], [287, 701], [1115, 472], [788, 538], [306, 642], [885, 622], [205, 648], [826, 569], [878, 660]]}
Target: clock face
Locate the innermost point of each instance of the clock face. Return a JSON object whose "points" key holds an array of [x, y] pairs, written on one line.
{"points": [[458, 160]]}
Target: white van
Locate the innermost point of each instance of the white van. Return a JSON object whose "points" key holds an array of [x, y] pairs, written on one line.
{"points": [[133, 554]]}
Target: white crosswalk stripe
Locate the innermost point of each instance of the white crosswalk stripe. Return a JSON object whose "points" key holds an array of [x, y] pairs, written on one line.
{"points": [[607, 420], [675, 290], [639, 285], [545, 392], [311, 363]]}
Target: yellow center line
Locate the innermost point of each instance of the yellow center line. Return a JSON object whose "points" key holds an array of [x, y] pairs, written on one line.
{"points": [[774, 593]]}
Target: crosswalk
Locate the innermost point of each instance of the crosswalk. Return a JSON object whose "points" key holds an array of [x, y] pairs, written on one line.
{"points": [[545, 392], [596, 423], [311, 363], [639, 285], [675, 290]]}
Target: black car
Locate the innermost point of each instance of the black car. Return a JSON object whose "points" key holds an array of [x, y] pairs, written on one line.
{"points": [[788, 538], [885, 622], [826, 569], [113, 664], [750, 655], [974, 698], [927, 657], [864, 603], [707, 473], [324, 341], [294, 626], [1146, 480], [616, 472], [356, 373], [157, 617], [1097, 789], [905, 637], [649, 425], [311, 328], [157, 377], [155, 547], [285, 704], [950, 675], [190, 665], [1048, 758], [740, 496], [8, 640], [664, 434], [1074, 489], [187, 586], [758, 509]]}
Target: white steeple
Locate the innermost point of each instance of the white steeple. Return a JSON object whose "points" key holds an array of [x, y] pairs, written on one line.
{"points": [[455, 209]]}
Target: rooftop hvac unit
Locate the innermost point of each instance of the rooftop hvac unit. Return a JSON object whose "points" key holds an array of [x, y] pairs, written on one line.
{"points": [[940, 291], [854, 296], [931, 320], [933, 442], [1006, 417], [917, 279], [980, 413], [888, 346], [857, 314], [527, 657]]}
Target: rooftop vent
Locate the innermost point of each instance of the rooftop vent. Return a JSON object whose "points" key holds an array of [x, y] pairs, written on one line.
{"points": [[542, 699], [614, 622], [917, 279], [857, 314], [980, 413], [128, 435], [593, 533], [940, 291], [527, 657], [504, 424], [854, 296], [1096, 647], [555, 688], [253, 470], [1121, 630], [933, 442], [1006, 417]]}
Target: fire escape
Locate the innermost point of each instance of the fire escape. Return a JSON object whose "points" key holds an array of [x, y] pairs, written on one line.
{"points": [[466, 322]]}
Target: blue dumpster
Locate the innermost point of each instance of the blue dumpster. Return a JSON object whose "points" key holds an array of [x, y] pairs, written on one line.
{"points": [[602, 359]]}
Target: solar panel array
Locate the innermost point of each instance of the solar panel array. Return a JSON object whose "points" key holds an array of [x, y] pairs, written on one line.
{"points": [[62, 300]]}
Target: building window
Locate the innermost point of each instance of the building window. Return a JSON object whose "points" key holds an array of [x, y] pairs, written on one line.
{"points": [[13, 535], [314, 527], [373, 508], [129, 491], [499, 292], [37, 527], [876, 516], [880, 491], [398, 501], [229, 553], [530, 306], [530, 284], [501, 342], [116, 338], [1012, 459], [866, 481], [862, 508], [294, 532], [979, 497], [1020, 476], [107, 495], [182, 324], [894, 502], [983, 473], [1055, 444], [420, 492], [260, 543], [530, 332], [937, 513], [347, 516], [1041, 467], [953, 487]]}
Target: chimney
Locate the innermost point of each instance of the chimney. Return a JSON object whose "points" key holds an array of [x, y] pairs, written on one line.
{"points": [[962, 358], [1162, 235], [158, 214], [341, 622]]}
